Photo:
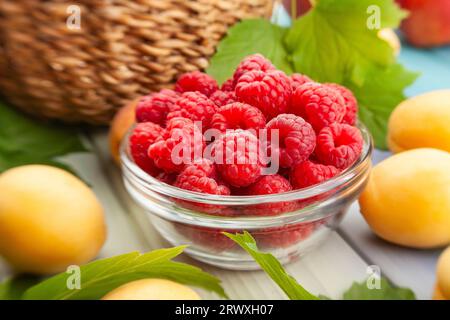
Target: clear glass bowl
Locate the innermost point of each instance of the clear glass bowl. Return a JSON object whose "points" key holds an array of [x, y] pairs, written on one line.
{"points": [[304, 218]]}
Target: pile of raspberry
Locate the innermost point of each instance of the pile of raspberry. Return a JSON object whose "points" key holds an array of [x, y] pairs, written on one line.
{"points": [[314, 124]]}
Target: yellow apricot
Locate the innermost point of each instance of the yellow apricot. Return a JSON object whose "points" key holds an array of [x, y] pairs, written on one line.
{"points": [[421, 122], [389, 35], [122, 122], [49, 219], [407, 198], [443, 274], [152, 289], [437, 294]]}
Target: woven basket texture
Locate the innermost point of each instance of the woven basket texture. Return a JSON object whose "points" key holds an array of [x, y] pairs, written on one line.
{"points": [[122, 50]]}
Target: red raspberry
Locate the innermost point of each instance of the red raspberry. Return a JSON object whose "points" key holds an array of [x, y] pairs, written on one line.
{"points": [[282, 237], [339, 145], [351, 104], [196, 81], [237, 157], [178, 123], [297, 138], [254, 62], [308, 173], [238, 116], [181, 144], [228, 85], [298, 79], [317, 104], [222, 98], [155, 107], [268, 91], [209, 238], [269, 184], [168, 178], [200, 177], [143, 135], [195, 106]]}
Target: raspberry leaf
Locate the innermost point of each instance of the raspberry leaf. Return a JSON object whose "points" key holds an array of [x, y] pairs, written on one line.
{"points": [[99, 277], [272, 267], [245, 38], [27, 141], [335, 35], [336, 41], [14, 287], [361, 291], [378, 97], [333, 42]]}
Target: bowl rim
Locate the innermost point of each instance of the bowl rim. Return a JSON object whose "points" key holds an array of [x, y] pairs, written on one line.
{"points": [[153, 184]]}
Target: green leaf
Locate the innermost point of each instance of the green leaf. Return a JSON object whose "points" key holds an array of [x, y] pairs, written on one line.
{"points": [[360, 291], [245, 38], [13, 288], [333, 43], [101, 276], [378, 97], [272, 267], [27, 141]]}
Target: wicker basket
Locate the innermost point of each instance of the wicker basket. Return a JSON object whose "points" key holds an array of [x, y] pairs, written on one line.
{"points": [[124, 49]]}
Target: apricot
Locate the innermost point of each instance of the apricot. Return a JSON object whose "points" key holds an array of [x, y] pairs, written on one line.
{"points": [[421, 122], [389, 35], [122, 122], [442, 291], [407, 198], [49, 219], [152, 289]]}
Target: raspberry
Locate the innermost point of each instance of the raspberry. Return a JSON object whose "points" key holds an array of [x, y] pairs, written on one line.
{"points": [[238, 116], [339, 145], [143, 135], [282, 237], [308, 173], [298, 79], [181, 144], [210, 238], [195, 106], [237, 157], [297, 138], [196, 81], [317, 104], [351, 104], [228, 85], [270, 92], [254, 62], [199, 177], [269, 184], [222, 98], [168, 178], [155, 107]]}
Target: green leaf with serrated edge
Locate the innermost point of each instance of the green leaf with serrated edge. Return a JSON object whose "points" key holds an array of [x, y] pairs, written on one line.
{"points": [[27, 141], [14, 287], [102, 276], [378, 97], [333, 43], [360, 291], [245, 38], [272, 267]]}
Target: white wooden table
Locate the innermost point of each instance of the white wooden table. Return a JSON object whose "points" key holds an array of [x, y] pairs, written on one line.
{"points": [[329, 270]]}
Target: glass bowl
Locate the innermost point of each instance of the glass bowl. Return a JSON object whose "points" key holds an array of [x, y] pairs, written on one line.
{"points": [[287, 225]]}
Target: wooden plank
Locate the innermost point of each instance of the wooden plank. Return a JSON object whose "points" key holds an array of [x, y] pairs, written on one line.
{"points": [[329, 270]]}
